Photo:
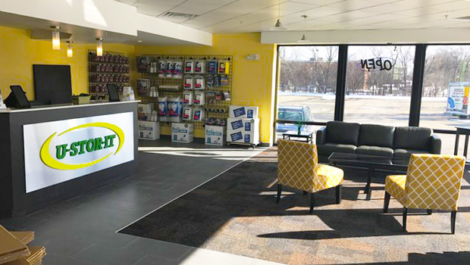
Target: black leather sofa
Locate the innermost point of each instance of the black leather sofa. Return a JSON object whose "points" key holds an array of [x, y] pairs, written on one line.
{"points": [[397, 143]]}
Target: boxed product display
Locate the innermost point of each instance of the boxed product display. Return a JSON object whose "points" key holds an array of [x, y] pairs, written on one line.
{"points": [[199, 98], [243, 112], [161, 68], [188, 98], [144, 111], [199, 82], [200, 67], [149, 130], [175, 106], [169, 69], [215, 135], [212, 66], [189, 66], [198, 114], [243, 130], [178, 70], [224, 67], [187, 113], [163, 108], [188, 82], [182, 132], [143, 87]]}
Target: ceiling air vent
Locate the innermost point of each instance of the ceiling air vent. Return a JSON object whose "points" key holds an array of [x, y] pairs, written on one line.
{"points": [[467, 18], [178, 15]]}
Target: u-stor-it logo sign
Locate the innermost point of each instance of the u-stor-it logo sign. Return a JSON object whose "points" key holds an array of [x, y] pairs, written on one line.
{"points": [[82, 147], [379, 64]]}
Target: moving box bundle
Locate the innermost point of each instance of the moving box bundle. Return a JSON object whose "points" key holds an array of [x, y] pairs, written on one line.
{"points": [[243, 125], [182, 132], [215, 135], [149, 130], [14, 249]]}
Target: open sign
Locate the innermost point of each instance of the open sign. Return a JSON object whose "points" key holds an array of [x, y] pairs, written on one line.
{"points": [[379, 63]]}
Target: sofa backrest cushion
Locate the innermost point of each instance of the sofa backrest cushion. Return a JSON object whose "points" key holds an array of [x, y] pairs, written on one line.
{"points": [[414, 138], [376, 135], [342, 132]]}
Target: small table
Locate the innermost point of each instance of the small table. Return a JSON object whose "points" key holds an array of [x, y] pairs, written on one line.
{"points": [[308, 136], [465, 131], [371, 163]]}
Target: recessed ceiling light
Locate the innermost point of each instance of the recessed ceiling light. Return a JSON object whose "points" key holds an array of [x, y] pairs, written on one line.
{"points": [[139, 41]]}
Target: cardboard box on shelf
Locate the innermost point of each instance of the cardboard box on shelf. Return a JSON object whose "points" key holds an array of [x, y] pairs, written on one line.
{"points": [[243, 131], [182, 132], [11, 248], [215, 135], [149, 130], [243, 112]]}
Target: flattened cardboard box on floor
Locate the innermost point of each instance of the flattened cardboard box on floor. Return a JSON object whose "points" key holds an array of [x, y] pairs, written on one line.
{"points": [[25, 237], [244, 131], [37, 254], [182, 132], [215, 135], [11, 248]]}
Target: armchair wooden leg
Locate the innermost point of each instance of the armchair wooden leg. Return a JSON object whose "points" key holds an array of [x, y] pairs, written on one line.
{"points": [[429, 211], [453, 217], [339, 189], [386, 202], [405, 212], [279, 190], [312, 202]]}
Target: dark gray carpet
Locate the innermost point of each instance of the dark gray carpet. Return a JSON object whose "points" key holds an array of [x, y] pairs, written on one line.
{"points": [[236, 213]]}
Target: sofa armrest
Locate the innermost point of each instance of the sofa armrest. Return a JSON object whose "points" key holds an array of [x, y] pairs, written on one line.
{"points": [[436, 144], [321, 136]]}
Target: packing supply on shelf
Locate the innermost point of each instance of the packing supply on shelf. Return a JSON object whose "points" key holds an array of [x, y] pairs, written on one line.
{"points": [[244, 131], [153, 68], [224, 67], [210, 97], [170, 87], [163, 108], [188, 82], [219, 96], [198, 114], [199, 82], [200, 67], [215, 122], [187, 113], [210, 81], [143, 87], [189, 67], [216, 110], [217, 81], [154, 116], [127, 94], [188, 98], [224, 80], [2, 105], [212, 66], [153, 92], [199, 98], [182, 132], [215, 135], [227, 96], [161, 68], [149, 130], [175, 106], [243, 112], [144, 111], [178, 70], [170, 67], [143, 64]]}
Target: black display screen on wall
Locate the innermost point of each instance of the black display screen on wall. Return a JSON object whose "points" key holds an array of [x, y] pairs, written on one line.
{"points": [[52, 84]]}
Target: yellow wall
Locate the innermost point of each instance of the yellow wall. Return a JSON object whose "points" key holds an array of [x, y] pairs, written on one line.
{"points": [[252, 80], [18, 53]]}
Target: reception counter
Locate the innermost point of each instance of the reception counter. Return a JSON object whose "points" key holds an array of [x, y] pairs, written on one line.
{"points": [[55, 152]]}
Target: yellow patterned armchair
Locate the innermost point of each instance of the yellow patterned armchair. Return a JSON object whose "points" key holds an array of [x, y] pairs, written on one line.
{"points": [[432, 182], [298, 168]]}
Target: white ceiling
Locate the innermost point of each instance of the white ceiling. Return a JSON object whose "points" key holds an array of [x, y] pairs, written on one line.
{"points": [[230, 16]]}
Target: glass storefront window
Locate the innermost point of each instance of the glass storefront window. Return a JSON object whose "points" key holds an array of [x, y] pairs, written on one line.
{"points": [[378, 84], [307, 85]]}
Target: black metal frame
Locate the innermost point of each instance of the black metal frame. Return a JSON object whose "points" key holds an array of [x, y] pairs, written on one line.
{"points": [[417, 87]]}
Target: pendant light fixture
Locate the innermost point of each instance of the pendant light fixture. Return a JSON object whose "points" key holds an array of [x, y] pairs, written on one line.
{"points": [[69, 49], [304, 37], [55, 38], [278, 25], [99, 47]]}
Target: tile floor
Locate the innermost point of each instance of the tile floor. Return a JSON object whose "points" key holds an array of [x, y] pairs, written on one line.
{"points": [[82, 230]]}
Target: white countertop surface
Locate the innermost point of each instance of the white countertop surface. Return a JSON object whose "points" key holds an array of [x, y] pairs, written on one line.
{"points": [[65, 106]]}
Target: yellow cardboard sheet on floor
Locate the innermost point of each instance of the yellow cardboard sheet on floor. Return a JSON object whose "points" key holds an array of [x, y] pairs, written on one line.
{"points": [[25, 237], [37, 254], [10, 247]]}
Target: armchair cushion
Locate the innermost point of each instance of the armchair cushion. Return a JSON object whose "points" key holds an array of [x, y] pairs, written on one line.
{"points": [[321, 136], [395, 186], [328, 177], [414, 138], [328, 149], [374, 151], [436, 144], [376, 135], [342, 132], [405, 154]]}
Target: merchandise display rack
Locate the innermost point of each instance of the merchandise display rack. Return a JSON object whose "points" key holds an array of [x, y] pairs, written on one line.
{"points": [[118, 74], [210, 108]]}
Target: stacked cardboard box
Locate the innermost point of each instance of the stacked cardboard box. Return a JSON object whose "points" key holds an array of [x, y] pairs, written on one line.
{"points": [[149, 130], [243, 125], [182, 132], [14, 249], [215, 135]]}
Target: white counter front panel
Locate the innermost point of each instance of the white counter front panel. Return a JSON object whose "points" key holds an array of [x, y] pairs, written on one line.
{"points": [[59, 151]]}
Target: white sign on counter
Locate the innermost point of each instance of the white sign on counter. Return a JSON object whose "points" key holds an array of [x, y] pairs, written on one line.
{"points": [[59, 151]]}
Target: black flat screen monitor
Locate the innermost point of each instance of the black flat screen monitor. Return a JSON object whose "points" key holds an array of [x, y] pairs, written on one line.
{"points": [[113, 93], [52, 84], [17, 98]]}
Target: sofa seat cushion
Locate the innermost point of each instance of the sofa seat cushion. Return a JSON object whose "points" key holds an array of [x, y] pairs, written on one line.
{"points": [[406, 153], [376, 135], [328, 149], [374, 151], [342, 133], [413, 138]]}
